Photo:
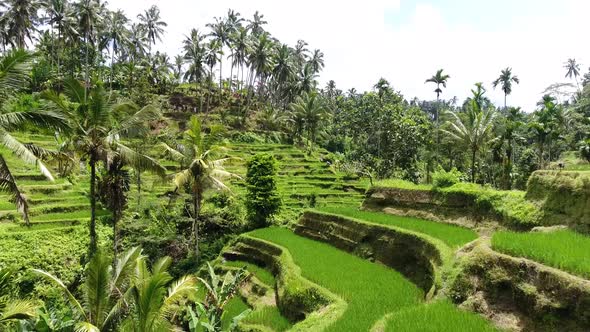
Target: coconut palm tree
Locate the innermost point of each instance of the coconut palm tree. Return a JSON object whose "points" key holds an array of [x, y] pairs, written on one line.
{"points": [[90, 14], [260, 58], [194, 54], [572, 68], [312, 109], [113, 188], [116, 35], [12, 310], [104, 290], [152, 25], [21, 18], [256, 23], [221, 33], [475, 130], [96, 132], [439, 79], [14, 75], [156, 298], [317, 61], [241, 45], [200, 170], [234, 23], [505, 80]]}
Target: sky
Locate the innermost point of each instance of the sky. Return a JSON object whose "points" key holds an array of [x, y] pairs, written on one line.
{"points": [[407, 41]]}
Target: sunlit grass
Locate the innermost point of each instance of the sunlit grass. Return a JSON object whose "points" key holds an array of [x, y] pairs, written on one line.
{"points": [[262, 274], [270, 317], [439, 316], [565, 250], [454, 236], [371, 290], [402, 184]]}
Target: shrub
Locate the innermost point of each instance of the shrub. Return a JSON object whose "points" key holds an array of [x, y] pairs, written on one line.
{"points": [[262, 199], [444, 179]]}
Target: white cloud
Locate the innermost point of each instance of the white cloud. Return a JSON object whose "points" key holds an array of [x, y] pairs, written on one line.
{"points": [[360, 47]]}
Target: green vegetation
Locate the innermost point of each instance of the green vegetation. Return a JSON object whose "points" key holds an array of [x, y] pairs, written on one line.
{"points": [[564, 249], [262, 200], [402, 184], [357, 281], [268, 316], [453, 236], [262, 274], [440, 316]]}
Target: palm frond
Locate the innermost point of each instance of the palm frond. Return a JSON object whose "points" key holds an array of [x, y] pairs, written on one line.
{"points": [[65, 289], [8, 184], [15, 67], [140, 161], [74, 90], [23, 152], [17, 310], [174, 154]]}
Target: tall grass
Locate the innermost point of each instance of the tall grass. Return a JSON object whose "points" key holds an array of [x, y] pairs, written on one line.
{"points": [[453, 236], [565, 250], [262, 274], [441, 316], [269, 317], [371, 290], [401, 184]]}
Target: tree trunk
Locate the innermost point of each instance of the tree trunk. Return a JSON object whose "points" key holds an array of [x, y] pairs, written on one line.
{"points": [[138, 179], [231, 77], [86, 74], [112, 64], [115, 237], [505, 106], [197, 208], [473, 151], [93, 241]]}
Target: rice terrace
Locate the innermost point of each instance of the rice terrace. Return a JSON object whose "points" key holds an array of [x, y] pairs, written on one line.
{"points": [[291, 166]]}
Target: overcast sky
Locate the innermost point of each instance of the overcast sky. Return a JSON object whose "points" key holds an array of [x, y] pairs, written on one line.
{"points": [[406, 41]]}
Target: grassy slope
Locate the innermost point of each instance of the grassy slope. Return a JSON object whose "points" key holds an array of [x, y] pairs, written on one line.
{"points": [[564, 250], [453, 236], [371, 290]]}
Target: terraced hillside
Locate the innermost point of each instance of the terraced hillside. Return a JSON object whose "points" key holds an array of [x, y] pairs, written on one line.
{"points": [[374, 297], [304, 179]]}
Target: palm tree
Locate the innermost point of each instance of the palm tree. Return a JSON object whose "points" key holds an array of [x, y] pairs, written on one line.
{"points": [[152, 25], [241, 45], [12, 310], [573, 70], [200, 170], [220, 32], [104, 290], [194, 54], [234, 23], [153, 303], [505, 80], [317, 61], [21, 18], [178, 63], [383, 87], [96, 133], [512, 122], [15, 67], [544, 125], [256, 23], [89, 15], [283, 69], [474, 131], [439, 79], [117, 35], [311, 108], [114, 186]]}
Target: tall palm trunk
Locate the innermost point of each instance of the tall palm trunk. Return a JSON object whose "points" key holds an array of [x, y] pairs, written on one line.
{"points": [[220, 77], [473, 153], [112, 64], [86, 75], [93, 241], [197, 210], [231, 77]]}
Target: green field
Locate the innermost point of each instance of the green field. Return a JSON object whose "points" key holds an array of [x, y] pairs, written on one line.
{"points": [[371, 290], [453, 236], [565, 250], [441, 316]]}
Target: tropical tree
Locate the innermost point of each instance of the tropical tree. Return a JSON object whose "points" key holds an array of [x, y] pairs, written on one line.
{"points": [[475, 130], [14, 74], [104, 291], [200, 171], [12, 310], [21, 19], [220, 290], [96, 132], [255, 25], [152, 25], [241, 45], [156, 298], [312, 109], [572, 68], [90, 14], [221, 33], [317, 61], [439, 79], [505, 80], [194, 54], [116, 35]]}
